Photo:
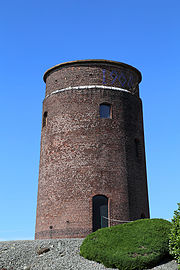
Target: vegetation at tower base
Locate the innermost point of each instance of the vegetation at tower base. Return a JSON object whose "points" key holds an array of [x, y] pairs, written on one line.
{"points": [[174, 241], [136, 245]]}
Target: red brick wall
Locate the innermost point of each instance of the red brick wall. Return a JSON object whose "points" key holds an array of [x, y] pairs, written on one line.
{"points": [[83, 155]]}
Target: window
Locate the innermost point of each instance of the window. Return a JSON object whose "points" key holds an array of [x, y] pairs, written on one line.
{"points": [[44, 119], [105, 110]]}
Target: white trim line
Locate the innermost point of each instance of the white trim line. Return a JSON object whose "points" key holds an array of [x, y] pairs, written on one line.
{"points": [[89, 87]]}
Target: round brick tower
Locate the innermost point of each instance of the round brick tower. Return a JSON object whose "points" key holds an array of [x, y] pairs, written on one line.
{"points": [[92, 170]]}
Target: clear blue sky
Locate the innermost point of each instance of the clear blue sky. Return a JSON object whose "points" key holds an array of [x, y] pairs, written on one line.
{"points": [[36, 35]]}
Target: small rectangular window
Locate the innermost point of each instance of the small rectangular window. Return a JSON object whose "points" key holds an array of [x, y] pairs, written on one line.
{"points": [[105, 111], [44, 119]]}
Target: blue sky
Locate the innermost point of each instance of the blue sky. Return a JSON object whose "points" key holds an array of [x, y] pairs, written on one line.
{"points": [[36, 35]]}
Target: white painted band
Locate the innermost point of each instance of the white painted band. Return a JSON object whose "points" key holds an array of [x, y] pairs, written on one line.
{"points": [[88, 87]]}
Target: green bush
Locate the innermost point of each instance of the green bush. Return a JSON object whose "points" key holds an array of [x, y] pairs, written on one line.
{"points": [[174, 242], [136, 245]]}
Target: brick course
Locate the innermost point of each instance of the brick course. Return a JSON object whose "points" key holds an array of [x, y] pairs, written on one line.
{"points": [[83, 155]]}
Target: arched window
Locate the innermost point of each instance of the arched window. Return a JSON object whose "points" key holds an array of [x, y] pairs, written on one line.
{"points": [[44, 119], [105, 110], [100, 212]]}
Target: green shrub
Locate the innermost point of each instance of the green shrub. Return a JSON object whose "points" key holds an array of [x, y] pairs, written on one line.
{"points": [[135, 245], [174, 242]]}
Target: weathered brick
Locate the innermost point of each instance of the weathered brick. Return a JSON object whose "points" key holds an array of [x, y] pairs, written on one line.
{"points": [[83, 155]]}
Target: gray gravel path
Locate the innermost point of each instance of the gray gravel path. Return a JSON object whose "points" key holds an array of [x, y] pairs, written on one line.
{"points": [[60, 254]]}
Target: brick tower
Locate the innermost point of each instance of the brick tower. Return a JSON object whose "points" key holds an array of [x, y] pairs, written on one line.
{"points": [[92, 168]]}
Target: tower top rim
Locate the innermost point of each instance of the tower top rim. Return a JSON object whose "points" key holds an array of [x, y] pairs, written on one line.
{"points": [[91, 61]]}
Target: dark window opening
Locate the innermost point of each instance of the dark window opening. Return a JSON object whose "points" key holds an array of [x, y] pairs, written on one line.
{"points": [[138, 149], [105, 111], [100, 212], [44, 119]]}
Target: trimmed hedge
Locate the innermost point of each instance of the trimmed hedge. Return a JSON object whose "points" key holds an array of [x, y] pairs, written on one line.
{"points": [[136, 245]]}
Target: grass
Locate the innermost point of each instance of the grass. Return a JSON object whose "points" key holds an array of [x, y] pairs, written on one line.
{"points": [[136, 245]]}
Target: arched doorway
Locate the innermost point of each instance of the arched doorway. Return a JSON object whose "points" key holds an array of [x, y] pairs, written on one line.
{"points": [[100, 212]]}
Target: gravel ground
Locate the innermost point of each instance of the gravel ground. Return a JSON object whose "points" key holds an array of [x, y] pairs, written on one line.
{"points": [[58, 254]]}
